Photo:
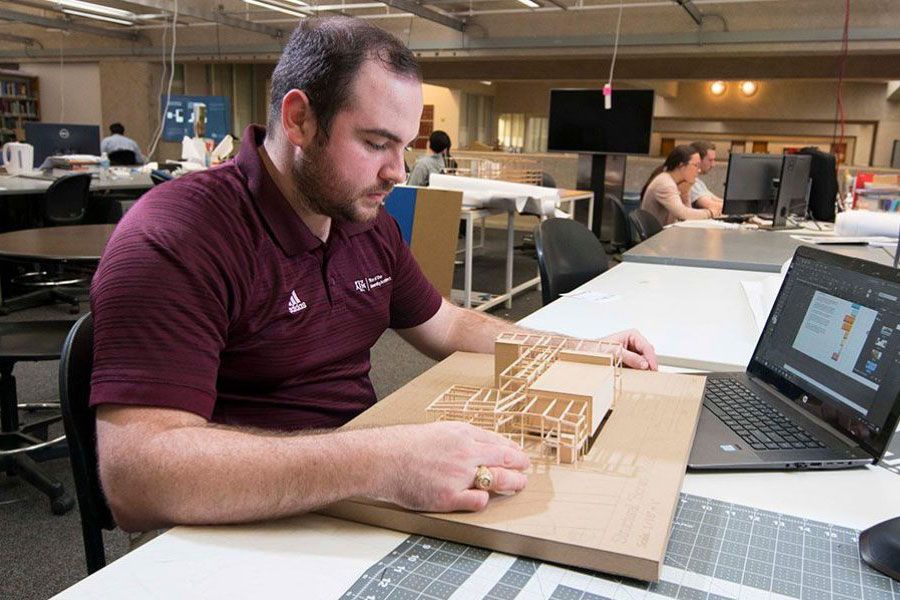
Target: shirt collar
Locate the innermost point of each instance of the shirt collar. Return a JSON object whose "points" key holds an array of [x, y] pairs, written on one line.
{"points": [[285, 225]]}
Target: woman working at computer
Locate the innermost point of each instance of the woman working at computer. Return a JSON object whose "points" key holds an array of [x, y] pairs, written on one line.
{"points": [[660, 196]]}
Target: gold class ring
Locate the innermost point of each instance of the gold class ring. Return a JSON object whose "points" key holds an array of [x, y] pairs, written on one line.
{"points": [[483, 478]]}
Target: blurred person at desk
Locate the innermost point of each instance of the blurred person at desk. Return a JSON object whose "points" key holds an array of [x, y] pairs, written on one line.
{"points": [[235, 309], [117, 141], [439, 143], [697, 194], [660, 196]]}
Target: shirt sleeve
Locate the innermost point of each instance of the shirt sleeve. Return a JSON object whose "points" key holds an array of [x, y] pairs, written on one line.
{"points": [[699, 190], [419, 175], [670, 199], [160, 299]]}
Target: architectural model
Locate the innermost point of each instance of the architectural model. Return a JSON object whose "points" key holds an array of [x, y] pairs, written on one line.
{"points": [[550, 393]]}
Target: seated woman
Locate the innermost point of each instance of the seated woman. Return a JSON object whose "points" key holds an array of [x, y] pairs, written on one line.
{"points": [[660, 196]]}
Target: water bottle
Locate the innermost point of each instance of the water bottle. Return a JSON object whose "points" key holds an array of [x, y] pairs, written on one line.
{"points": [[104, 167]]}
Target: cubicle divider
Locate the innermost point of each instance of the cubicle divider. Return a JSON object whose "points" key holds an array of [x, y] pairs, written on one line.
{"points": [[429, 224]]}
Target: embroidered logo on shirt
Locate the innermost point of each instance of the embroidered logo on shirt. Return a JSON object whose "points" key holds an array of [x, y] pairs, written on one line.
{"points": [[295, 305], [370, 283]]}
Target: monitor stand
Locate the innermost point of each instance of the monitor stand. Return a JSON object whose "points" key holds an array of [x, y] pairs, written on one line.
{"points": [[603, 174]]}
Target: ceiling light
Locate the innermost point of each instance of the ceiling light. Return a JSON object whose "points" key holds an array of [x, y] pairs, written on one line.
{"points": [[93, 8], [748, 88], [88, 15], [717, 88], [297, 2], [278, 7], [530, 3], [486, 83]]}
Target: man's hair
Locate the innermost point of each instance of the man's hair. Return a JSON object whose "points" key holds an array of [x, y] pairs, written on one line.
{"points": [[116, 128], [322, 58], [439, 141], [703, 147]]}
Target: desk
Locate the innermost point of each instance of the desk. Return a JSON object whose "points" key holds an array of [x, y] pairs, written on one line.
{"points": [[714, 328], [747, 250], [470, 215], [21, 186], [72, 243]]}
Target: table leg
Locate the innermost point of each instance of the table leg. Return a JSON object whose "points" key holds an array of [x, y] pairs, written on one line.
{"points": [[510, 241], [467, 278]]}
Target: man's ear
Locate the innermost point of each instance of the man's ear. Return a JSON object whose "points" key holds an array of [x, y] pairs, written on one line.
{"points": [[297, 118]]}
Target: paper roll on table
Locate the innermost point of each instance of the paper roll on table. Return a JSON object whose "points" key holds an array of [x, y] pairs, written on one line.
{"points": [[867, 223]]}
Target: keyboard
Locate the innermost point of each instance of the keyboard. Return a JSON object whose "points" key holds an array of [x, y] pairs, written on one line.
{"points": [[758, 423]]}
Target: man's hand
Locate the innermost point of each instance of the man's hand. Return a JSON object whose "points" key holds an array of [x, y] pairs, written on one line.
{"points": [[434, 466], [637, 352]]}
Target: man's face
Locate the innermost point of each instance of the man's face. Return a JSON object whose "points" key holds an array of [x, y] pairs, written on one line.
{"points": [[708, 162], [348, 175]]}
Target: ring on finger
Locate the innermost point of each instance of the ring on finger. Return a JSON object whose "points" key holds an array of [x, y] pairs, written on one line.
{"points": [[484, 479]]}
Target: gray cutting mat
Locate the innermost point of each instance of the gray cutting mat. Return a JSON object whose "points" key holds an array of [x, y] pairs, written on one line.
{"points": [[717, 550]]}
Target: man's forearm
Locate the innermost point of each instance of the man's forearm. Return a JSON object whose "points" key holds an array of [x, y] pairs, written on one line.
{"points": [[207, 474], [476, 331]]}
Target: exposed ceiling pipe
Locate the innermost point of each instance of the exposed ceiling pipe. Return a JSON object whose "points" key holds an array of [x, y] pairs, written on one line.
{"points": [[210, 16], [692, 11], [414, 8], [64, 24], [8, 37]]}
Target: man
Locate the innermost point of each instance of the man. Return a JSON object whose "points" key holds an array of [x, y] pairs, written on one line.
{"points": [[697, 194], [439, 143], [235, 308], [117, 141]]}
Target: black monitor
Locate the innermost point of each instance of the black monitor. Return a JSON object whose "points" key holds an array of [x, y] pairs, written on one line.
{"points": [[750, 183], [580, 123], [51, 139], [793, 188]]}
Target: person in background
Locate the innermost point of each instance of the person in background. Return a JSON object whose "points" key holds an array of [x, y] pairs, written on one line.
{"points": [[660, 196], [439, 143], [698, 195], [116, 140]]}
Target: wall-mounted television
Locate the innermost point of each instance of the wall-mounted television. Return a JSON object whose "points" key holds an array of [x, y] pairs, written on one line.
{"points": [[580, 123]]}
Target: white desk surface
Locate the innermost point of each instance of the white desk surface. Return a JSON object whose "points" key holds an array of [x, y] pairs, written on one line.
{"points": [[318, 557], [12, 186], [694, 317]]}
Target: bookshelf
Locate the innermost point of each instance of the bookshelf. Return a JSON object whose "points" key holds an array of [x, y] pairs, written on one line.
{"points": [[19, 102]]}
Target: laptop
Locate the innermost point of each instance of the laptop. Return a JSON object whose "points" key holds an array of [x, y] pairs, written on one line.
{"points": [[822, 390]]}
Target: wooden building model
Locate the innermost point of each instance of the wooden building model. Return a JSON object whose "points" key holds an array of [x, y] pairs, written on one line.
{"points": [[550, 393]]}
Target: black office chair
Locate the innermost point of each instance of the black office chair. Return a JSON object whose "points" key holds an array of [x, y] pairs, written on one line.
{"points": [[75, 368], [643, 225], [547, 180], [621, 228], [65, 201], [30, 341], [158, 176], [119, 158], [569, 254]]}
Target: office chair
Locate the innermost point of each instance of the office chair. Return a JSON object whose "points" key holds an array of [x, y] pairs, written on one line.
{"points": [[622, 231], [64, 203], [119, 158], [30, 341], [547, 180], [158, 176], [75, 368], [643, 225], [569, 254]]}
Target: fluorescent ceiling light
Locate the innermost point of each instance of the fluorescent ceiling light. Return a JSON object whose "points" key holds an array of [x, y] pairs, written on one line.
{"points": [[530, 3], [298, 2], [93, 8], [277, 7], [79, 13], [486, 83]]}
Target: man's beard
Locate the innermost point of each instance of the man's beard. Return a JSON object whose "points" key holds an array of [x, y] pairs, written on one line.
{"points": [[319, 189]]}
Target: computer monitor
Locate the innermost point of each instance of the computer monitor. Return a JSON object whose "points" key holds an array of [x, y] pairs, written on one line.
{"points": [[750, 183], [52, 139], [792, 196], [578, 122]]}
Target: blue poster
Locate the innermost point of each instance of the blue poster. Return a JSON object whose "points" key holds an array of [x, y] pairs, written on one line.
{"points": [[179, 117]]}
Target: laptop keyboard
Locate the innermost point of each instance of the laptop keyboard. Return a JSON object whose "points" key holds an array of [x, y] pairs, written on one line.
{"points": [[755, 421]]}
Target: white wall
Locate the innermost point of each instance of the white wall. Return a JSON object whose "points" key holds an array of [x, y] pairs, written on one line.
{"points": [[446, 108], [70, 94]]}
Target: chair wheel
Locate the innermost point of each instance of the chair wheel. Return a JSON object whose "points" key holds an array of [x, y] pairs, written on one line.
{"points": [[62, 504], [74, 310]]}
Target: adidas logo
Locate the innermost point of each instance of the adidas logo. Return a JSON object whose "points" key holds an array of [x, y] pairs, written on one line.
{"points": [[295, 305]]}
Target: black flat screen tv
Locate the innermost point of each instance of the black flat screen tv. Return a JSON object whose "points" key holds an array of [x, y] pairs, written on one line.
{"points": [[579, 122]]}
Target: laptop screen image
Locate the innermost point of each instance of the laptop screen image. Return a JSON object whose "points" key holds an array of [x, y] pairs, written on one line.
{"points": [[832, 344]]}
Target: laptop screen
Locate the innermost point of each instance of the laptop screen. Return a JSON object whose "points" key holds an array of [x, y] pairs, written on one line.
{"points": [[832, 344]]}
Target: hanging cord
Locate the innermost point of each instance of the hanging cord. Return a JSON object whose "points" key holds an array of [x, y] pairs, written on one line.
{"points": [[607, 89], [162, 117], [62, 86], [839, 118]]}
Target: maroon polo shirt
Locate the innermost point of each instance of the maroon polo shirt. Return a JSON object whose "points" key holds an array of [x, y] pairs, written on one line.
{"points": [[215, 298]]}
